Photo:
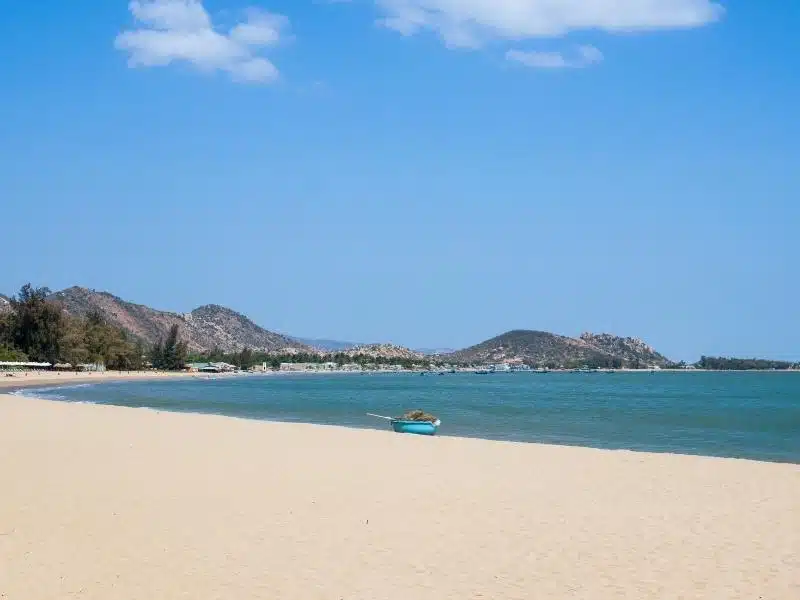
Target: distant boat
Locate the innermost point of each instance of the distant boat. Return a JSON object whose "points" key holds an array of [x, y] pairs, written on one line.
{"points": [[484, 372]]}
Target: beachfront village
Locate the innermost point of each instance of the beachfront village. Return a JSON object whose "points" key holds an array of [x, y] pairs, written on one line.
{"points": [[354, 367]]}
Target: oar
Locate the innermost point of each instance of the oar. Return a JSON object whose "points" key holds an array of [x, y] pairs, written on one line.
{"points": [[380, 417]]}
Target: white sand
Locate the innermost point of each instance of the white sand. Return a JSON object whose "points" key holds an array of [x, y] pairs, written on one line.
{"points": [[107, 503], [43, 378]]}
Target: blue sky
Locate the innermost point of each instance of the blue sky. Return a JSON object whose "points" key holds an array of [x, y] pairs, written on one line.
{"points": [[426, 172]]}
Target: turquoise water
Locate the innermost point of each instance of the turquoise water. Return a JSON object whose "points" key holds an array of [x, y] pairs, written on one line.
{"points": [[745, 415]]}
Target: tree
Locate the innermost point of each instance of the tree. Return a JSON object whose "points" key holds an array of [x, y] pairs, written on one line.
{"points": [[171, 354], [73, 343], [39, 328], [717, 363], [171, 348], [11, 355], [139, 356], [6, 332], [245, 358], [99, 338], [157, 355], [36, 325], [181, 352]]}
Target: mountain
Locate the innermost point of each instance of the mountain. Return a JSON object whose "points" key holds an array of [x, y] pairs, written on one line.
{"points": [[214, 326], [5, 305], [542, 348], [204, 328], [327, 345]]}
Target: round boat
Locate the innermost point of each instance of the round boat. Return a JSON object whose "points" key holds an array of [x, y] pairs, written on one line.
{"points": [[417, 427]]}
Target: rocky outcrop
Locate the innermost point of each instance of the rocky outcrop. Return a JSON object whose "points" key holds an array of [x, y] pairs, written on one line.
{"points": [[224, 328], [390, 351], [630, 350], [541, 348]]}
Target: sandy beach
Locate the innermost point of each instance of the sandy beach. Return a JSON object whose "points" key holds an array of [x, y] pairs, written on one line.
{"points": [[105, 503], [46, 378]]}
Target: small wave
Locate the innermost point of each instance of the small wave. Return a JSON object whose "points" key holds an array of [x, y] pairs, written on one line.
{"points": [[41, 393], [76, 386], [49, 393]]}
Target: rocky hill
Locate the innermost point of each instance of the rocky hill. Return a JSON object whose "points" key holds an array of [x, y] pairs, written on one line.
{"points": [[628, 349], [5, 305], [390, 351], [204, 328], [548, 349], [215, 325]]}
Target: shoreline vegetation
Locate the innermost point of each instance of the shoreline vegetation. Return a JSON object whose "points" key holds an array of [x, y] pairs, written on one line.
{"points": [[36, 329]]}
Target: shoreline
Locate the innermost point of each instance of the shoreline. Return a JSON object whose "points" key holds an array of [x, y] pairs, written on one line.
{"points": [[19, 392], [49, 379], [46, 378], [167, 505], [6, 395]]}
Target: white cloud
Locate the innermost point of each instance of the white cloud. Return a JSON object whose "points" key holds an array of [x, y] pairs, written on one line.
{"points": [[584, 57], [182, 30], [471, 23]]}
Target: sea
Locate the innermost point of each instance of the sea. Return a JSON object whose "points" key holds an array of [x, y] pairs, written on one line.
{"points": [[751, 415]]}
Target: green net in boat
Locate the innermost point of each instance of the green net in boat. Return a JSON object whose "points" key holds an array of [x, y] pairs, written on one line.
{"points": [[418, 415]]}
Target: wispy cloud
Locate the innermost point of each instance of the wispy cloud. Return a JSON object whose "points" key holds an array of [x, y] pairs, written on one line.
{"points": [[473, 22], [169, 31], [583, 57]]}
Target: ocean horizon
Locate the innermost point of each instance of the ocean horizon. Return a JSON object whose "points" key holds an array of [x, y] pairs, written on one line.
{"points": [[726, 414]]}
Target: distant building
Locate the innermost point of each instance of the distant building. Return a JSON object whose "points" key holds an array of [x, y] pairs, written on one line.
{"points": [[217, 367], [88, 368], [23, 366], [306, 367]]}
